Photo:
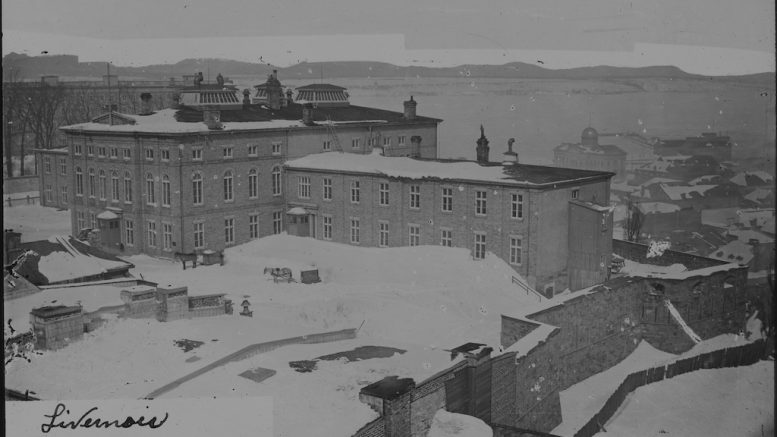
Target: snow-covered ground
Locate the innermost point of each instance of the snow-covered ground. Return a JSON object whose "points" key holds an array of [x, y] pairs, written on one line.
{"points": [[736, 401], [581, 401], [420, 299], [36, 222]]}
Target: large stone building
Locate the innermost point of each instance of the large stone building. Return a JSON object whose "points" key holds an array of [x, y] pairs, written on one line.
{"points": [[588, 154], [207, 173], [552, 225]]}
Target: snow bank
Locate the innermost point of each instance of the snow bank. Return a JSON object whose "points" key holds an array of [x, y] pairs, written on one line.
{"points": [[447, 424], [728, 401], [36, 222]]}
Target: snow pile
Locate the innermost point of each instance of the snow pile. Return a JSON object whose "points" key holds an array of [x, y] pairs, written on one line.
{"points": [[36, 222], [728, 401], [657, 248], [423, 300], [72, 264], [581, 401], [447, 424]]}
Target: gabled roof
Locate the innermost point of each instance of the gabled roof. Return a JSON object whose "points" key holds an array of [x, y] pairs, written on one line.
{"points": [[657, 207], [681, 192], [735, 251], [752, 178], [115, 118]]}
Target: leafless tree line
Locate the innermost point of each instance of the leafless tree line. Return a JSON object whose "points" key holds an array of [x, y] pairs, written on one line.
{"points": [[33, 112]]}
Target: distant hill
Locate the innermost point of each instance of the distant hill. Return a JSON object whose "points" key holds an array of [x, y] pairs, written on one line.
{"points": [[68, 65]]}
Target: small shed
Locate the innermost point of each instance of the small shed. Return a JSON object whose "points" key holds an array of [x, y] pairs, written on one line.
{"points": [[56, 326]]}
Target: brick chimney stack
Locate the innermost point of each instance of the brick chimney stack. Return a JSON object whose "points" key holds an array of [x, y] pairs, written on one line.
{"points": [[307, 114], [410, 106], [511, 157], [145, 104], [212, 118], [482, 148]]}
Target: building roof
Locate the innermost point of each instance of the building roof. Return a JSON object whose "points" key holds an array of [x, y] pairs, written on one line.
{"points": [[389, 387], [54, 311], [704, 179], [660, 180], [454, 170], [735, 251], [321, 87], [601, 149], [681, 192], [255, 117], [724, 217], [759, 194], [657, 207], [745, 235], [752, 178]]}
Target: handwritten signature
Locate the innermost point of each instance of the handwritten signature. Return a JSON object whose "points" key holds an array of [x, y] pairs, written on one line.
{"points": [[89, 422]]}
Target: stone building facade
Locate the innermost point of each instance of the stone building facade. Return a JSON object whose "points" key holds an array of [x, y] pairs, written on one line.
{"points": [[207, 174], [535, 218], [588, 154]]}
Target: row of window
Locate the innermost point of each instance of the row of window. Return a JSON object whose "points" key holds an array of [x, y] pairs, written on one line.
{"points": [[481, 196], [371, 142], [198, 232], [164, 153], [97, 185], [49, 194], [414, 237], [47, 165]]}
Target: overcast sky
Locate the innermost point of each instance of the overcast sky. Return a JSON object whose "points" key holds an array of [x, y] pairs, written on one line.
{"points": [[699, 36]]}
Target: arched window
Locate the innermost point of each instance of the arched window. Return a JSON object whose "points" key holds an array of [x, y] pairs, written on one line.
{"points": [[127, 187], [276, 181], [197, 189], [657, 289], [698, 288], [91, 183], [150, 191], [228, 193], [729, 282], [103, 184], [79, 182], [253, 184], [165, 190], [114, 186]]}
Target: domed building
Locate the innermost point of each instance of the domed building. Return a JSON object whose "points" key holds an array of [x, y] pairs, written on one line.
{"points": [[588, 154]]}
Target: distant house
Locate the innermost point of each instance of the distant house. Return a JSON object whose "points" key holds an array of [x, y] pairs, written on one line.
{"points": [[708, 143], [661, 218], [760, 197], [588, 154], [726, 218], [753, 179], [699, 196], [756, 253]]}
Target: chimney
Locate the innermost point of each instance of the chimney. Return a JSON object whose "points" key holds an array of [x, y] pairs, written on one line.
{"points": [[415, 141], [510, 156], [307, 114], [482, 148], [212, 118], [289, 96], [274, 91], [246, 98], [145, 104], [410, 108]]}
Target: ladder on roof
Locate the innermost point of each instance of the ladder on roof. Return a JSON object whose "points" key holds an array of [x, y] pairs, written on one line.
{"points": [[330, 128]]}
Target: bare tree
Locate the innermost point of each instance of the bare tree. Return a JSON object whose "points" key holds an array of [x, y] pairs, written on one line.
{"points": [[43, 104], [633, 222], [15, 121]]}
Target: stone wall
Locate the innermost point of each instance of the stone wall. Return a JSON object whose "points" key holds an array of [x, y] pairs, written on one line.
{"points": [[638, 252], [376, 428]]}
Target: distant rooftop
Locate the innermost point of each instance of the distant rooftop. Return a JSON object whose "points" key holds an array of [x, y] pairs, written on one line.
{"points": [[454, 170], [255, 117]]}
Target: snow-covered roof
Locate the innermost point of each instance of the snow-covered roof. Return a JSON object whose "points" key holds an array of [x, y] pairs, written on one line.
{"points": [[759, 194], [659, 166], [680, 192], [402, 167], [674, 271], [703, 179], [107, 215], [660, 180], [746, 235], [736, 251], [164, 121], [658, 207], [741, 177]]}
